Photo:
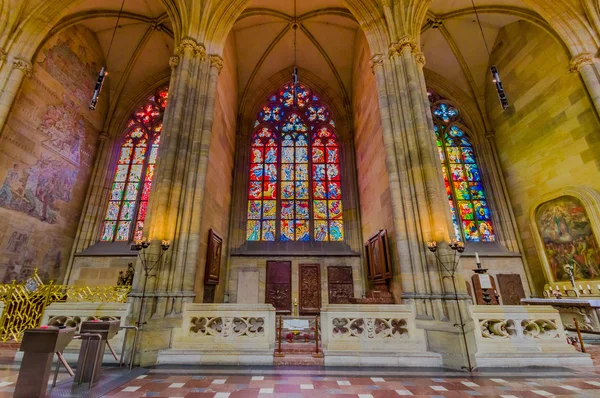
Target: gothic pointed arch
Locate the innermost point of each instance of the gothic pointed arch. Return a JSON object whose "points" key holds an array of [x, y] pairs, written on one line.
{"points": [[294, 182], [466, 194], [134, 171]]}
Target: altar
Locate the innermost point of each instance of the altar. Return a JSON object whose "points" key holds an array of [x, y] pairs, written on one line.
{"points": [[586, 311]]}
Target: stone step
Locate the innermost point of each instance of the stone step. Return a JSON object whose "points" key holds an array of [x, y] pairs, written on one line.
{"points": [[298, 360], [298, 347]]}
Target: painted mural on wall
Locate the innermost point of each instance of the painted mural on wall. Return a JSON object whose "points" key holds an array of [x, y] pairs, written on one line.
{"points": [[568, 238], [46, 153]]}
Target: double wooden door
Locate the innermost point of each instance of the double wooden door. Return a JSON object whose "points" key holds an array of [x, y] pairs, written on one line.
{"points": [[279, 287]]}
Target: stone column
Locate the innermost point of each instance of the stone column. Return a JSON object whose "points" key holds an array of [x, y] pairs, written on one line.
{"points": [[175, 207], [420, 207], [584, 64], [20, 69]]}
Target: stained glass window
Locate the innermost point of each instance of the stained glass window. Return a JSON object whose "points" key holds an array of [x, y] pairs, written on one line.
{"points": [[136, 164], [294, 184], [469, 209]]}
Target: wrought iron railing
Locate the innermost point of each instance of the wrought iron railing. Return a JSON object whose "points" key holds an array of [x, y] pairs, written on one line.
{"points": [[24, 303]]}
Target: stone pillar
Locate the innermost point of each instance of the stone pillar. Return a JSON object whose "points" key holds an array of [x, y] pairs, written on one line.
{"points": [[584, 64], [20, 69], [175, 207], [420, 207]]}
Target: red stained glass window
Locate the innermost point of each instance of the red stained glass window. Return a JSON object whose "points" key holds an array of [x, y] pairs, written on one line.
{"points": [[469, 209], [294, 191], [136, 165]]}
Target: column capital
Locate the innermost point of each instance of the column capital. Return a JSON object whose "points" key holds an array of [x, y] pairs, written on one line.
{"points": [[420, 58], [187, 43], [579, 61], [200, 51], [174, 61], [3, 55], [216, 61], [376, 61], [23, 65], [103, 136], [401, 44]]}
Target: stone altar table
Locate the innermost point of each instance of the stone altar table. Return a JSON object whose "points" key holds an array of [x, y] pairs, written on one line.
{"points": [[587, 312]]}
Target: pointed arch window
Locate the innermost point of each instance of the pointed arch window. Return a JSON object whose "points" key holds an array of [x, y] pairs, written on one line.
{"points": [[136, 163], [467, 197], [295, 189]]}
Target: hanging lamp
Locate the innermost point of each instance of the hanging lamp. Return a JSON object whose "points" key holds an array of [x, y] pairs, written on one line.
{"points": [[493, 68], [103, 72], [295, 77]]}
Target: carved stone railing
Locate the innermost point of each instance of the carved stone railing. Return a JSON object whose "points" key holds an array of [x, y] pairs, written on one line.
{"points": [[223, 334], [72, 314], [384, 335], [228, 327], [521, 336]]}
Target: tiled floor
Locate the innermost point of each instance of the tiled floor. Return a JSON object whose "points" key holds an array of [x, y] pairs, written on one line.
{"points": [[240, 386]]}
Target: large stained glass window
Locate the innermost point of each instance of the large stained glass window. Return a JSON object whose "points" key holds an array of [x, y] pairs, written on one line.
{"points": [[136, 163], [294, 184], [471, 215]]}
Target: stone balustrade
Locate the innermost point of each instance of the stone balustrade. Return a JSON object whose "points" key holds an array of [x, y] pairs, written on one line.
{"points": [[223, 334], [514, 336], [373, 335], [72, 314]]}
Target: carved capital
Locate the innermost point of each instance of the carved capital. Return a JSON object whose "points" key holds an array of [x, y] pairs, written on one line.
{"points": [[216, 61], [200, 51], [376, 61], [404, 42], [490, 135], [174, 61], [23, 65], [103, 136], [186, 44], [3, 55], [420, 58], [580, 61]]}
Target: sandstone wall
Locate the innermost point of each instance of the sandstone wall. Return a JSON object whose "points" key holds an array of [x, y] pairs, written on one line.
{"points": [[47, 150], [219, 179], [550, 136]]}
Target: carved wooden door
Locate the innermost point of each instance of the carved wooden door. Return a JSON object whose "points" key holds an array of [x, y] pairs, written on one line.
{"points": [[279, 285], [478, 292], [340, 284], [511, 289], [310, 289]]}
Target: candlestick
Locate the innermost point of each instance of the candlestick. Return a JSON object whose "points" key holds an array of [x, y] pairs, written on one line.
{"points": [[589, 287], [477, 260]]}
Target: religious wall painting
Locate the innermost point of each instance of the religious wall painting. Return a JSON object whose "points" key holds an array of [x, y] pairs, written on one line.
{"points": [[65, 131], [72, 64], [568, 238], [38, 190], [47, 150]]}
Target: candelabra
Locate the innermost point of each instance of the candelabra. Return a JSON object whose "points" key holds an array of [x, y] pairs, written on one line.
{"points": [[140, 246], [450, 267]]}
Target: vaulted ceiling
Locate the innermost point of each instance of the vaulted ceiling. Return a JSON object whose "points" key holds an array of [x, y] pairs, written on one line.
{"points": [[263, 39]]}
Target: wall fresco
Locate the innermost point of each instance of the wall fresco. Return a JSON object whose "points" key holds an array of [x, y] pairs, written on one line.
{"points": [[47, 150], [568, 238]]}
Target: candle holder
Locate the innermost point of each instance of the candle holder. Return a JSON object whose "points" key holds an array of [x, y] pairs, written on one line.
{"points": [[140, 246], [450, 267]]}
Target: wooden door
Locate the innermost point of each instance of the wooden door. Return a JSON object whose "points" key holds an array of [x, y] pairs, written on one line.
{"points": [[511, 289], [310, 289], [279, 286], [340, 284]]}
